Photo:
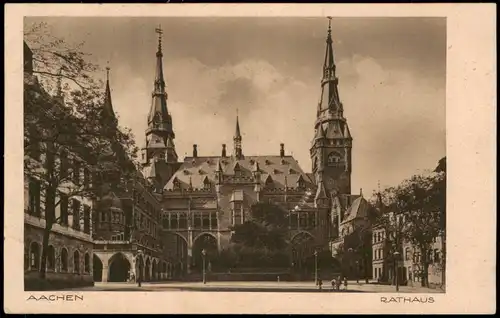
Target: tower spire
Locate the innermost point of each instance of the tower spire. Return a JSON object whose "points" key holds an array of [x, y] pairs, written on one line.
{"points": [[332, 141], [158, 116], [159, 134], [108, 105], [238, 153], [330, 99]]}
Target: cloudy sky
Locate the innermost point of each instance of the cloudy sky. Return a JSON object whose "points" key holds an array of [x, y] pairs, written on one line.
{"points": [[392, 77]]}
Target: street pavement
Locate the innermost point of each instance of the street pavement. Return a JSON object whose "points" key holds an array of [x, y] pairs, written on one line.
{"points": [[253, 287]]}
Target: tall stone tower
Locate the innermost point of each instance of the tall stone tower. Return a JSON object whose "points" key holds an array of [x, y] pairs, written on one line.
{"points": [[332, 142], [159, 134]]}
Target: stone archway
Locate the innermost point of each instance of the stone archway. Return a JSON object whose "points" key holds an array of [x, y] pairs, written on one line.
{"points": [[177, 246], [207, 242], [97, 265], [119, 268], [302, 245]]}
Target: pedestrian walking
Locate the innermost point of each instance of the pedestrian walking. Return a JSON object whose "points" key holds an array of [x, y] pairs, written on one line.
{"points": [[320, 284], [333, 282], [345, 283], [338, 282]]}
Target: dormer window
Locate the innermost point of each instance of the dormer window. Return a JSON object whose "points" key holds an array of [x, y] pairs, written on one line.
{"points": [[237, 170], [300, 183], [268, 162], [252, 161], [186, 172], [291, 171], [206, 184], [283, 162], [201, 171], [269, 181], [177, 184]]}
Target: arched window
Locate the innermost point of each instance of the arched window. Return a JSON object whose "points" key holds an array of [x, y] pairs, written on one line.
{"points": [[407, 254], [206, 184], [76, 262], [437, 257], [87, 263], [334, 158], [177, 184], [64, 260], [300, 183], [51, 258], [34, 256]]}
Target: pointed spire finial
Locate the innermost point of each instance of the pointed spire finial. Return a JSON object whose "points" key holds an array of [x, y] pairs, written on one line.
{"points": [[238, 133], [361, 191], [107, 72], [329, 23], [160, 32], [378, 185]]}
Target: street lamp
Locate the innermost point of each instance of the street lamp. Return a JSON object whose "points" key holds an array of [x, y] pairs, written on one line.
{"points": [[203, 254], [316, 267], [396, 267], [139, 260], [350, 250]]}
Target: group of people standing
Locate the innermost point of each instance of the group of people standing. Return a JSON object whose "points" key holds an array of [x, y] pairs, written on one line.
{"points": [[336, 283]]}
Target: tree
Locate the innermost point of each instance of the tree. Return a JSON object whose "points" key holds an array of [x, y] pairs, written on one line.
{"points": [[267, 228], [439, 200], [62, 125], [261, 240], [416, 216]]}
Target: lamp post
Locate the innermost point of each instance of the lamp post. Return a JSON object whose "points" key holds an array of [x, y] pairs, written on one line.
{"points": [[203, 254], [139, 261], [396, 269], [357, 272], [350, 250], [316, 267]]}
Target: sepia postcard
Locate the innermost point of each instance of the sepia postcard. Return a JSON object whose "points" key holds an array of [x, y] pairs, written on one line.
{"points": [[250, 158]]}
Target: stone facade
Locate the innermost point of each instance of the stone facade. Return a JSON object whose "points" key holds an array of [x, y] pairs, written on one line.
{"points": [[409, 265], [203, 196]]}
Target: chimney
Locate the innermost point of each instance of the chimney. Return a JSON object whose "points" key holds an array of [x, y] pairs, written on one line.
{"points": [[195, 151], [223, 151], [282, 150]]}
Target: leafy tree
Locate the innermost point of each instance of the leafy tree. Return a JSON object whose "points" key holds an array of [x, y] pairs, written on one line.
{"points": [[261, 240], [416, 216], [59, 124], [267, 228]]}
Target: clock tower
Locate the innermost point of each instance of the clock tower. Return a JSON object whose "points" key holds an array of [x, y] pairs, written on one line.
{"points": [[332, 143]]}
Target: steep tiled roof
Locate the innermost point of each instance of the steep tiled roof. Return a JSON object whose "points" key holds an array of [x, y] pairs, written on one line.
{"points": [[359, 208], [276, 167]]}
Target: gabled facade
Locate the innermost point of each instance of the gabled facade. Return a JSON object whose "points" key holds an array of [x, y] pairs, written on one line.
{"points": [[204, 195]]}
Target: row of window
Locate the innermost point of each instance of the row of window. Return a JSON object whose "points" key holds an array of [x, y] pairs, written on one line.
{"points": [[207, 185], [81, 217], [70, 169], [209, 220], [433, 257], [146, 206], [176, 221], [112, 217], [57, 262], [144, 223]]}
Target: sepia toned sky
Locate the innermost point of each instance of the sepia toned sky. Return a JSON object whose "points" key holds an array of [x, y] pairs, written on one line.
{"points": [[392, 77]]}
